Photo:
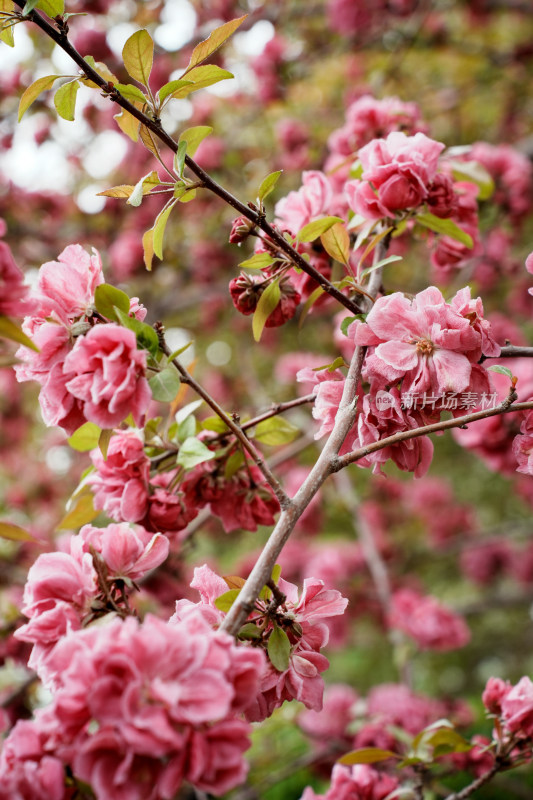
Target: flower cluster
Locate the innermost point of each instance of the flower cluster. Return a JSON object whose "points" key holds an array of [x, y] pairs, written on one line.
{"points": [[432, 625], [139, 708], [355, 783], [513, 705], [87, 372], [13, 292], [298, 621]]}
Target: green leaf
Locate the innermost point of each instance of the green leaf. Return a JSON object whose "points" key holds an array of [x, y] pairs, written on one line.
{"points": [[311, 300], [52, 8], [146, 336], [15, 533], [65, 100], [336, 242], [107, 298], [194, 136], [10, 330], [7, 25], [501, 370], [187, 429], [215, 40], [379, 264], [82, 513], [179, 351], [346, 322], [214, 424], [313, 230], [138, 56], [268, 184], [233, 464], [103, 441], [193, 452], [200, 78], [279, 649], [473, 172], [139, 190], [225, 601], [258, 261], [187, 196], [131, 92], [159, 229], [249, 631], [33, 91], [85, 438], [267, 304], [102, 69], [165, 385], [367, 755], [275, 431], [187, 410], [169, 88], [29, 6], [148, 248], [179, 158], [276, 573], [446, 227]]}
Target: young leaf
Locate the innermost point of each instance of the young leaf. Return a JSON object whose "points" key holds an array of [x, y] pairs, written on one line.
{"points": [[311, 300], [148, 248], [234, 581], [215, 40], [225, 601], [314, 229], [15, 533], [121, 192], [33, 91], [103, 441], [233, 464], [346, 322], [446, 227], [138, 56], [139, 190], [149, 141], [193, 452], [128, 124], [336, 242], [268, 184], [165, 385], [474, 172], [275, 431], [102, 69], [131, 92], [82, 513], [159, 229], [65, 100], [276, 573], [179, 158], [279, 649], [187, 410], [194, 136], [258, 261], [200, 78], [107, 297], [146, 336], [169, 88], [10, 330], [382, 263], [187, 196], [187, 429], [214, 424], [52, 8], [501, 370], [249, 631], [85, 438], [267, 304], [367, 755], [6, 28]]}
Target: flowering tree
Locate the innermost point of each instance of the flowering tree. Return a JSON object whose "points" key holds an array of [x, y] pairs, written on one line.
{"points": [[141, 642]]}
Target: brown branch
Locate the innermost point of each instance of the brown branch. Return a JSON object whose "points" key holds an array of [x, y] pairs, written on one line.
{"points": [[511, 351], [235, 428], [154, 125], [443, 425], [478, 783]]}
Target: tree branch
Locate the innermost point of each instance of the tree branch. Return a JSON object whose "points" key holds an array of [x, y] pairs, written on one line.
{"points": [[443, 425], [209, 183]]}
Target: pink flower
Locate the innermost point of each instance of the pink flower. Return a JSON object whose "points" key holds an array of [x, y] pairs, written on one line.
{"points": [[523, 452], [495, 692], [424, 341], [66, 286], [513, 176], [128, 552], [360, 782], [27, 771], [13, 293], [517, 708], [53, 341], [120, 483], [432, 625], [400, 168], [396, 704], [337, 713], [310, 202], [529, 267], [168, 511], [449, 253], [383, 416], [106, 372]]}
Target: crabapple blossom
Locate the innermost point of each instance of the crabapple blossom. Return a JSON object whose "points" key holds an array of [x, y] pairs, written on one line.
{"points": [[432, 625], [14, 299], [120, 482], [65, 288], [360, 782], [106, 371], [311, 201]]}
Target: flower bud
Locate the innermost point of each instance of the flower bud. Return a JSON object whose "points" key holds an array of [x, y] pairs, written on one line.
{"points": [[240, 230]]}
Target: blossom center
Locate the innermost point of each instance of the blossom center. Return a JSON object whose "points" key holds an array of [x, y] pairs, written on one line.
{"points": [[424, 346]]}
